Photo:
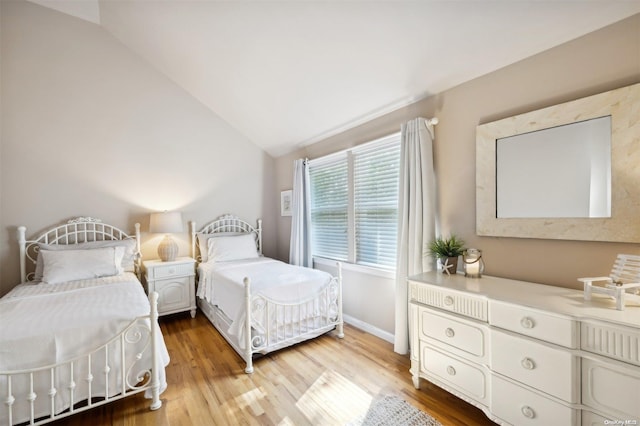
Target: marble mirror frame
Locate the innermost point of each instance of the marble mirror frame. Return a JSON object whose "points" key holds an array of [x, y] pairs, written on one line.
{"points": [[623, 105]]}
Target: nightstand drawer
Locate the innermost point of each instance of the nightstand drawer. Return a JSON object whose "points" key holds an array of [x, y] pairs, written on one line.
{"points": [[170, 270]]}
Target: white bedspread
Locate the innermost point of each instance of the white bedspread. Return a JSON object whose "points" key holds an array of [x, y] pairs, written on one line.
{"points": [[45, 324], [221, 284]]}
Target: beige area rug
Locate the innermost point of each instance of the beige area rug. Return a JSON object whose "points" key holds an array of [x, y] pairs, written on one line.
{"points": [[391, 410]]}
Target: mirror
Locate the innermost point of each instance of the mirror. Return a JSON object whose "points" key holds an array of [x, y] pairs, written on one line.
{"points": [[617, 218], [563, 171]]}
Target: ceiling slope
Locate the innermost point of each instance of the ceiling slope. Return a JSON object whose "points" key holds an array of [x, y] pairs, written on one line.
{"points": [[291, 73]]}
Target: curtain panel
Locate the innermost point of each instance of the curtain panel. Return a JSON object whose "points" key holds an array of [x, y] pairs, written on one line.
{"points": [[300, 244], [416, 217]]}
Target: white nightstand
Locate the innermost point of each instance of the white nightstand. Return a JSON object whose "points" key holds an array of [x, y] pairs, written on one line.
{"points": [[174, 282]]}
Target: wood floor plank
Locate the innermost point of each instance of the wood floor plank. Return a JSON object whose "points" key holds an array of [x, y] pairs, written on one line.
{"points": [[326, 381]]}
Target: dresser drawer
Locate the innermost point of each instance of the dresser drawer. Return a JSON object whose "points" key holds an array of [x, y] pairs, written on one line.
{"points": [[464, 335], [613, 341], [550, 369], [530, 322], [469, 378], [591, 419], [465, 304], [170, 270], [613, 388], [522, 407]]}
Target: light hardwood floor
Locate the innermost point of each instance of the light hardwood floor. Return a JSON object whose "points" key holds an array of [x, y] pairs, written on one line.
{"points": [[326, 381]]}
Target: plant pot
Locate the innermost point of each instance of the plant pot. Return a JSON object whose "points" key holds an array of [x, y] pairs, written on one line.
{"points": [[446, 261]]}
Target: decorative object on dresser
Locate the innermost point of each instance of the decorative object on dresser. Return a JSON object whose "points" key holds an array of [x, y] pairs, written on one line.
{"points": [[526, 353], [258, 304], [473, 263], [79, 331], [166, 223], [447, 251], [624, 276], [174, 281]]}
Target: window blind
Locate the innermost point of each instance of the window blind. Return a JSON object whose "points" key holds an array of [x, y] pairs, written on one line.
{"points": [[376, 178], [329, 181]]}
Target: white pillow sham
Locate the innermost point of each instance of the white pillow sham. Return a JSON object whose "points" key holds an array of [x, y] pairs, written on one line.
{"points": [[128, 260], [71, 265], [224, 249], [203, 242]]}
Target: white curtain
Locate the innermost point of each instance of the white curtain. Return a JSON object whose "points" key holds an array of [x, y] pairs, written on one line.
{"points": [[416, 217], [300, 245]]}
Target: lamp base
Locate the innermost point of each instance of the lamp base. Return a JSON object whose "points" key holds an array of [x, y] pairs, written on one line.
{"points": [[168, 249]]}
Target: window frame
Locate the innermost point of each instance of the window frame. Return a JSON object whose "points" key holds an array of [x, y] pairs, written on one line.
{"points": [[352, 243]]}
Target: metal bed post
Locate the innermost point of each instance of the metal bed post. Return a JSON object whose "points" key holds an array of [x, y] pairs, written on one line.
{"points": [[340, 320], [155, 377], [248, 348]]}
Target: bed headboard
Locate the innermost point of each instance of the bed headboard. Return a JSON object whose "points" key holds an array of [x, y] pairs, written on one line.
{"points": [[75, 231], [226, 224]]}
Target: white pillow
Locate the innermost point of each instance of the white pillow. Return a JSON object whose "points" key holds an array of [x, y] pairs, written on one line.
{"points": [[71, 265], [203, 244], [223, 249], [128, 260]]}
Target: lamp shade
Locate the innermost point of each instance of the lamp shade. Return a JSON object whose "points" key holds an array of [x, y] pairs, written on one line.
{"points": [[165, 223]]}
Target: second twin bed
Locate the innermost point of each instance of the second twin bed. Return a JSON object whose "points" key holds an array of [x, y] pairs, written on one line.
{"points": [[260, 304]]}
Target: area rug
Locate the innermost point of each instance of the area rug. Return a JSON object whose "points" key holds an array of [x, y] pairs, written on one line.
{"points": [[391, 410]]}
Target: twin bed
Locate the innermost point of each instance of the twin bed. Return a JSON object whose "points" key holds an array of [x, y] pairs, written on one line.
{"points": [[259, 304], [79, 331], [96, 339]]}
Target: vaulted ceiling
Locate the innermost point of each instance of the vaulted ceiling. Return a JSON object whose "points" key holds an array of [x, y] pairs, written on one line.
{"points": [[290, 73]]}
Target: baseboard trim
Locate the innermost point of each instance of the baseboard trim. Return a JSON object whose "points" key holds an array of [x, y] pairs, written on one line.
{"points": [[364, 326]]}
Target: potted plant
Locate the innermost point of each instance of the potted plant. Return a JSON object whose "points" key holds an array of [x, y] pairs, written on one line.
{"points": [[447, 250]]}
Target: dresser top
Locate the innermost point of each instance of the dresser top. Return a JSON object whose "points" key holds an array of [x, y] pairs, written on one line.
{"points": [[559, 300]]}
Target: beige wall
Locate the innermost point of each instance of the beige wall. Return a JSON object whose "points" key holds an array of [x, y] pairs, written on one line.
{"points": [[88, 128], [600, 61]]}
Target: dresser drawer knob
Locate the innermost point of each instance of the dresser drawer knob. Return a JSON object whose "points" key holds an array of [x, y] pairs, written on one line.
{"points": [[528, 412], [448, 300], [527, 322], [528, 363], [451, 371], [449, 332]]}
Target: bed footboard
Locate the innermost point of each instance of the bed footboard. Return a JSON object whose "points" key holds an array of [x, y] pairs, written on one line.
{"points": [[272, 325], [128, 364]]}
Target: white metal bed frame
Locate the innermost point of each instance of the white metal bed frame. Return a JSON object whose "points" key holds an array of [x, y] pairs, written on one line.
{"points": [[257, 338], [142, 330]]}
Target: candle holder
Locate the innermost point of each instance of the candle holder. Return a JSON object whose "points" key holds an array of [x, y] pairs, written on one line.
{"points": [[473, 263]]}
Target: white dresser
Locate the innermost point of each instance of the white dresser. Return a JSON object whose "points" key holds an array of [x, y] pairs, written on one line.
{"points": [[525, 353]]}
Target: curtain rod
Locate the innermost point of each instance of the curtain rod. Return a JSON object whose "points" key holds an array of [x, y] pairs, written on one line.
{"points": [[432, 121]]}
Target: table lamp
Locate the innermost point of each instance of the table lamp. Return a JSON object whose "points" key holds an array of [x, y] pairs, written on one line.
{"points": [[166, 223]]}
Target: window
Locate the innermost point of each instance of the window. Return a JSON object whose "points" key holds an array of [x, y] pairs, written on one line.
{"points": [[354, 203]]}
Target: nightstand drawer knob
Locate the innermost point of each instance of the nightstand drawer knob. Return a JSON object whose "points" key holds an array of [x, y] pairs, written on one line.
{"points": [[172, 271], [449, 332], [448, 300]]}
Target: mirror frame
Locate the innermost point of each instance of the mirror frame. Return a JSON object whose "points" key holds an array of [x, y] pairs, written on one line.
{"points": [[624, 224]]}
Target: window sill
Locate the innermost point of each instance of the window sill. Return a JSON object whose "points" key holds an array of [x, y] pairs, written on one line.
{"points": [[346, 266]]}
